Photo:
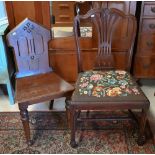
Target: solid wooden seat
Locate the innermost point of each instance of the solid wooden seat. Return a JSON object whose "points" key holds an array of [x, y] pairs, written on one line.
{"points": [[35, 80], [105, 87], [41, 87]]}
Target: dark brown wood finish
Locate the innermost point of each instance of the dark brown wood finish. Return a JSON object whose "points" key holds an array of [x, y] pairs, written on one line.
{"points": [[35, 80], [105, 21], [29, 41]]}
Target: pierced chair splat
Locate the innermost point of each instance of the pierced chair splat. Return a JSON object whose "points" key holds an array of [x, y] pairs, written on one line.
{"points": [[106, 87]]}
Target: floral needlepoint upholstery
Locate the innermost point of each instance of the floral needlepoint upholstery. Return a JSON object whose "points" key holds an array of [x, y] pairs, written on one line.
{"points": [[111, 83], [99, 84]]}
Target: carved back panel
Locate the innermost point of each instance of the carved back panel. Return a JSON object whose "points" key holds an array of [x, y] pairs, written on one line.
{"points": [[105, 21], [30, 45]]}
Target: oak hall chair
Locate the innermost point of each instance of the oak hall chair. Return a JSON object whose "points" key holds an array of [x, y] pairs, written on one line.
{"points": [[105, 87], [35, 80]]}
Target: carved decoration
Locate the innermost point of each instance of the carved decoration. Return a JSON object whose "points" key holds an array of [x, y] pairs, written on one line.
{"points": [[105, 23], [30, 43]]}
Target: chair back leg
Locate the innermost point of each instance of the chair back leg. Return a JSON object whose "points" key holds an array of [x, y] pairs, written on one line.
{"points": [[10, 92]]}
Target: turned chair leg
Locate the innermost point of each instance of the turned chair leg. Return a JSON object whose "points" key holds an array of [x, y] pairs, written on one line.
{"points": [[73, 127], [142, 137], [67, 112], [25, 121], [51, 104]]}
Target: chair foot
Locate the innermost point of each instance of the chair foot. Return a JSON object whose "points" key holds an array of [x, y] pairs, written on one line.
{"points": [[51, 104], [67, 103], [141, 140], [25, 121], [30, 143], [73, 144]]}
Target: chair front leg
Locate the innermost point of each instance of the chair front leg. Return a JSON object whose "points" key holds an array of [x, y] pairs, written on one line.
{"points": [[67, 101], [25, 121], [51, 104], [142, 137], [73, 127]]}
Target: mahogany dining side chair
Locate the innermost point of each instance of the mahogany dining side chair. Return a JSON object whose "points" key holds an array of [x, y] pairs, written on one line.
{"points": [[105, 87], [35, 81]]}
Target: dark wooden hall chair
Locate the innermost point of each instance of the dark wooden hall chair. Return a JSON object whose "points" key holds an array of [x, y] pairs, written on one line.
{"points": [[35, 81], [105, 87]]}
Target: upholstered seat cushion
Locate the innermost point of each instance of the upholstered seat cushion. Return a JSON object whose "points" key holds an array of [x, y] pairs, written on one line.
{"points": [[114, 85]]}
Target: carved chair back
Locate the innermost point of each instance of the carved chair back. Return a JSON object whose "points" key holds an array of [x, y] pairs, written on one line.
{"points": [[105, 21], [30, 45]]}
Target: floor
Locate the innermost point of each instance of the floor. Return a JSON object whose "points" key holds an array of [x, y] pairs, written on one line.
{"points": [[148, 86]]}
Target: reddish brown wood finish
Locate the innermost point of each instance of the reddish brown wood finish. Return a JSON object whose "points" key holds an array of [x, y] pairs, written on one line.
{"points": [[64, 48], [41, 14], [145, 55], [40, 88], [29, 41], [35, 10], [63, 13], [105, 21]]}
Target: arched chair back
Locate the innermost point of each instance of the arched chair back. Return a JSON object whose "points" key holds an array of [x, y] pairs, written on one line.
{"points": [[105, 21]]}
